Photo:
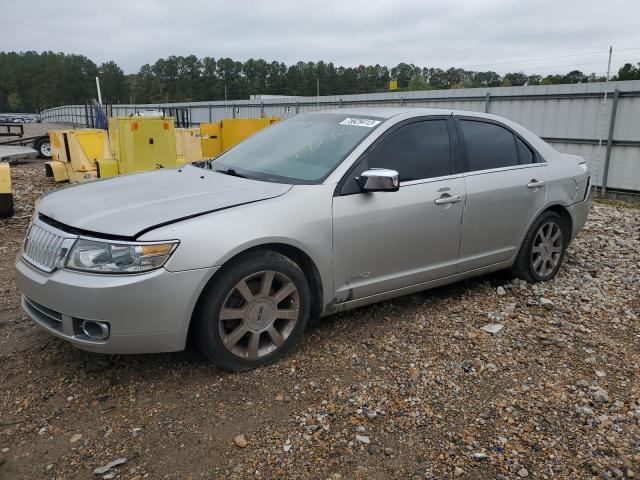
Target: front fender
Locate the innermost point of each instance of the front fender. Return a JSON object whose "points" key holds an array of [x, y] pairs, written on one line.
{"points": [[301, 218]]}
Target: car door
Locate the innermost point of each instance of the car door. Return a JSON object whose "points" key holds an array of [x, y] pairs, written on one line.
{"points": [[384, 241], [505, 180]]}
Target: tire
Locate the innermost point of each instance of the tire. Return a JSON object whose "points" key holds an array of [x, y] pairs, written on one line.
{"points": [[540, 258], [277, 323], [43, 147]]}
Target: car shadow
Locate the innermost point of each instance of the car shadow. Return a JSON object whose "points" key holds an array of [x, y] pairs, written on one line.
{"points": [[123, 369]]}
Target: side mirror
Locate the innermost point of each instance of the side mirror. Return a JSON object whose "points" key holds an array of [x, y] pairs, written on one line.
{"points": [[379, 180]]}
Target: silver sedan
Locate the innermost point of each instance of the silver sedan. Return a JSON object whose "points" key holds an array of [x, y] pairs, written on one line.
{"points": [[319, 213]]}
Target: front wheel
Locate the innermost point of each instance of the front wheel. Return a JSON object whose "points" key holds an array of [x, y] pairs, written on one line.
{"points": [[543, 249], [254, 313]]}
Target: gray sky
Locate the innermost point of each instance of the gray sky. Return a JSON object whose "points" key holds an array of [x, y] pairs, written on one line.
{"points": [[474, 34]]}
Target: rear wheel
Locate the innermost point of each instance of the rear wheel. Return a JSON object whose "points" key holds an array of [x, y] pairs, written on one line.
{"points": [[254, 313], [543, 249]]}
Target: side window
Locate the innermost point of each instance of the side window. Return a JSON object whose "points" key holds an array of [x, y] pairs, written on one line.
{"points": [[524, 153], [418, 150], [488, 145]]}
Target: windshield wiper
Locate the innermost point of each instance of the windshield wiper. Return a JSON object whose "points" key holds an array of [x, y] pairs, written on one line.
{"points": [[232, 172]]}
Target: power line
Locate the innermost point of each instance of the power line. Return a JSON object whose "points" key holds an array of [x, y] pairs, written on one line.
{"points": [[527, 60], [604, 62], [534, 59]]}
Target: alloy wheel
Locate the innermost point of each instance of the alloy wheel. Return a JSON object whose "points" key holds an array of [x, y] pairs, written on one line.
{"points": [[259, 314], [546, 251]]}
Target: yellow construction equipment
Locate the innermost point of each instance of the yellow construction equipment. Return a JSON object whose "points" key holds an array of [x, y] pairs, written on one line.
{"points": [[143, 143], [75, 153], [188, 144], [218, 137], [6, 195], [137, 144], [210, 139], [235, 130], [132, 144]]}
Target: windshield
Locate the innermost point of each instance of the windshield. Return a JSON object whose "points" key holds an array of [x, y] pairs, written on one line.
{"points": [[301, 149]]}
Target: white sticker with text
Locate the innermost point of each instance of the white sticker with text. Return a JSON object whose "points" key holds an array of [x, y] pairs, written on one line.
{"points": [[360, 122]]}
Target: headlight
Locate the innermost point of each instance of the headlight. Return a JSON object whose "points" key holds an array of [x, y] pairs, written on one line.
{"points": [[107, 257]]}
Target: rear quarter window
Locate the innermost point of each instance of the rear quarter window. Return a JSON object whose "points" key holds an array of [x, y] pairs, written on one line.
{"points": [[525, 155]]}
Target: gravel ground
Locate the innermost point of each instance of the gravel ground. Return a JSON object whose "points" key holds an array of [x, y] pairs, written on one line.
{"points": [[410, 388]]}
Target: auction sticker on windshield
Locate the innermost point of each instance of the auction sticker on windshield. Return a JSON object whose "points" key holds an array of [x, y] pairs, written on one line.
{"points": [[360, 122]]}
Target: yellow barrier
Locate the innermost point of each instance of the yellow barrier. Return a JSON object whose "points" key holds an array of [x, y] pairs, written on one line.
{"points": [[6, 194], [210, 139], [234, 130], [137, 144], [75, 152], [143, 143], [218, 137], [188, 145]]}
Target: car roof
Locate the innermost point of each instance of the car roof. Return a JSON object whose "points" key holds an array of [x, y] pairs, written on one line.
{"points": [[383, 112], [392, 111], [543, 148]]}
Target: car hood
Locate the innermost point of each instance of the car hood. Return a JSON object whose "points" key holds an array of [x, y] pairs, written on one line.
{"points": [[128, 205]]}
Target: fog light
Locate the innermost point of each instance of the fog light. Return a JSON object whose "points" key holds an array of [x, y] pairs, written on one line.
{"points": [[95, 330]]}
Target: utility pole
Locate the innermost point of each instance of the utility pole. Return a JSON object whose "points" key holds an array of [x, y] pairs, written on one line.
{"points": [[99, 93], [318, 92], [608, 68], [225, 99], [602, 118]]}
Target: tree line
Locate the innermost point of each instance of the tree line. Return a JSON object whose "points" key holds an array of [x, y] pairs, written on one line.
{"points": [[32, 81]]}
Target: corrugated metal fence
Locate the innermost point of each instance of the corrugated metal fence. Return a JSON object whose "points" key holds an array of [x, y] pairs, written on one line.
{"points": [[573, 118]]}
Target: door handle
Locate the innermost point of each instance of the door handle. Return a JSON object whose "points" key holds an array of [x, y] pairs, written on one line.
{"points": [[535, 183], [446, 198]]}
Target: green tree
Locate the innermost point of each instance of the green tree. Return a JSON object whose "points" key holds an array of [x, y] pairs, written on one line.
{"points": [[417, 82], [514, 79], [534, 80], [485, 79], [14, 102], [146, 86], [47, 79], [113, 83], [403, 73], [575, 76], [629, 72], [437, 78]]}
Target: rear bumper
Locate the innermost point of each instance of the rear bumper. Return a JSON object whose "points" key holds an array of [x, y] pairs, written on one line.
{"points": [[579, 213], [145, 313]]}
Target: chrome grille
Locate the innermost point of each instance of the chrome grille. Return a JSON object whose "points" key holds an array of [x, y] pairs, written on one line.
{"points": [[43, 247]]}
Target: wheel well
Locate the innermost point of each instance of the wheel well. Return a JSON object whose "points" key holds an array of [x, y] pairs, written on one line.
{"points": [[565, 216], [303, 260], [43, 138], [308, 267]]}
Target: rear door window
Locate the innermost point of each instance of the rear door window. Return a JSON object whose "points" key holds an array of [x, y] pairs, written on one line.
{"points": [[488, 145]]}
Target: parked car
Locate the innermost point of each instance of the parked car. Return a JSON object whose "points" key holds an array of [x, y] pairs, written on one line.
{"points": [[317, 214]]}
